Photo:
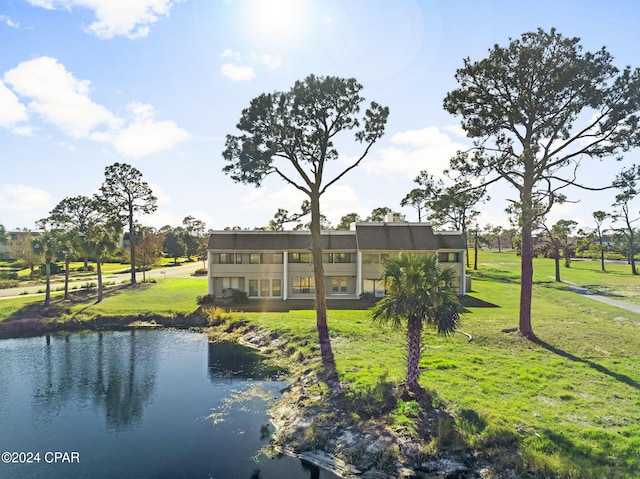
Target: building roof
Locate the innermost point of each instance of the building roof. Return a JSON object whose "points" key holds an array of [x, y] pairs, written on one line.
{"points": [[279, 240], [365, 236]]}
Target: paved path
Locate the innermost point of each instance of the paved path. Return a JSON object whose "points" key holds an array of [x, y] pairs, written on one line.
{"points": [[182, 271], [603, 299]]}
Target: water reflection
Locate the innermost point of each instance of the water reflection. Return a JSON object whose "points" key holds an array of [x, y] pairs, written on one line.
{"points": [[138, 404], [231, 361], [114, 372]]}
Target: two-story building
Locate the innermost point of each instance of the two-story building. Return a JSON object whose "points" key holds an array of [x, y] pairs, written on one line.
{"points": [[277, 264]]}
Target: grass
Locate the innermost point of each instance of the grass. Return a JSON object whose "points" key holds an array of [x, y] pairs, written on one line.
{"points": [[567, 408], [165, 297]]}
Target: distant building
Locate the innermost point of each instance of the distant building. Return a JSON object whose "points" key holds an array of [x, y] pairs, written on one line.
{"points": [[277, 264]]}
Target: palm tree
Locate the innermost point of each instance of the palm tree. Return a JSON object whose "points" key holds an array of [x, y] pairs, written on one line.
{"points": [[46, 244], [420, 292]]}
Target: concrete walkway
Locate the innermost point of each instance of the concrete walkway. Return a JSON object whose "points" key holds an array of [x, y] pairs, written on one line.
{"points": [[603, 299]]}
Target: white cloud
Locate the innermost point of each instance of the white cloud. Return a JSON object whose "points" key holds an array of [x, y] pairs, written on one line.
{"points": [[59, 98], [24, 199], [146, 136], [11, 110], [415, 150], [237, 72], [9, 22], [62, 100], [243, 66], [130, 18], [271, 62]]}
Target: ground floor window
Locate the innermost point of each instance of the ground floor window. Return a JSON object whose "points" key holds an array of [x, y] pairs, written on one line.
{"points": [[374, 286], [276, 288], [232, 283], [268, 287], [253, 287], [304, 284], [338, 284], [264, 287]]}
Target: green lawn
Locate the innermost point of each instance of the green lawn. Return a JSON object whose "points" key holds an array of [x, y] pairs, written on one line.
{"points": [[569, 407]]}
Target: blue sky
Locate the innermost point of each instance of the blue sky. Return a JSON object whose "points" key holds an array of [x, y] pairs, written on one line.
{"points": [[159, 83]]}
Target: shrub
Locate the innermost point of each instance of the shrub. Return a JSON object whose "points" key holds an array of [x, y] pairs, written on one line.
{"points": [[8, 275], [200, 272], [88, 268], [8, 283], [205, 299], [239, 297]]}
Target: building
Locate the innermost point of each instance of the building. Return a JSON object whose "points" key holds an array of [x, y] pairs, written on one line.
{"points": [[277, 264]]}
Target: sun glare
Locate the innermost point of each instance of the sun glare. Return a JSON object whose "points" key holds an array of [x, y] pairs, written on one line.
{"points": [[277, 21]]}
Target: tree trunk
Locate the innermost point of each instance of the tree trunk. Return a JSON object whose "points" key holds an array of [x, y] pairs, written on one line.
{"points": [[326, 352], [132, 246], [99, 271], [475, 250], [557, 261], [632, 251], [466, 245], [67, 261], [47, 295], [414, 353], [526, 285], [601, 254]]}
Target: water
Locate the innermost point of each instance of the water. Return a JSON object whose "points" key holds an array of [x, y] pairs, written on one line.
{"points": [[137, 404]]}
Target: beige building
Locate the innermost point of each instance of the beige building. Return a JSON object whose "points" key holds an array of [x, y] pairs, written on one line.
{"points": [[277, 264]]}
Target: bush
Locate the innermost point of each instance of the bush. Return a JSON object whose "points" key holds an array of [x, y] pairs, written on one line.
{"points": [[205, 299], [200, 272], [9, 275], [239, 297], [8, 283], [88, 268]]}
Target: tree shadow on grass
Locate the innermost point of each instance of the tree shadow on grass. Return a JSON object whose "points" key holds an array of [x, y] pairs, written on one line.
{"points": [[59, 306], [498, 276], [623, 378]]}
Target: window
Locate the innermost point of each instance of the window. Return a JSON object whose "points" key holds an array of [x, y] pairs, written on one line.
{"points": [[374, 286], [448, 257], [370, 258], [254, 258], [232, 283], [238, 258], [271, 258], [304, 285], [299, 257], [338, 284], [336, 258], [264, 287], [276, 287], [253, 287], [226, 258]]}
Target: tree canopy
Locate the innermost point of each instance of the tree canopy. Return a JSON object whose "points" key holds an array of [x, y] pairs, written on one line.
{"points": [[534, 110], [125, 194], [292, 135], [421, 293]]}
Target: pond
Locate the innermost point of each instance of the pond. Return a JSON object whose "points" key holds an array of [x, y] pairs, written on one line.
{"points": [[137, 404]]}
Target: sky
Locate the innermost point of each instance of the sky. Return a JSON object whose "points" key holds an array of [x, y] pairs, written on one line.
{"points": [[158, 84]]}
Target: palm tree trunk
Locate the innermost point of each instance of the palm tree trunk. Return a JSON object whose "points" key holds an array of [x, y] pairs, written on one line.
{"points": [[47, 296], [414, 353], [99, 271], [67, 261]]}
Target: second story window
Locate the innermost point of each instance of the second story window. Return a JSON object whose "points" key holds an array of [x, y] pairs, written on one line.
{"points": [[299, 257], [226, 258]]}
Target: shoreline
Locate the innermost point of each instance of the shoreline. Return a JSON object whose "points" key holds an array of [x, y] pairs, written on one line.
{"points": [[351, 450]]}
